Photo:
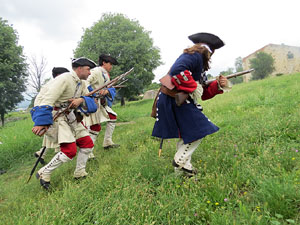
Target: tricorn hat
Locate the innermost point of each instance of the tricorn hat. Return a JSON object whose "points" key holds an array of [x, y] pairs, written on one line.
{"points": [[82, 61], [213, 41], [107, 58], [58, 70]]}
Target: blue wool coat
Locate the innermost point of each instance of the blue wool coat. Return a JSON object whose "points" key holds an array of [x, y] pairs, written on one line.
{"points": [[186, 121]]}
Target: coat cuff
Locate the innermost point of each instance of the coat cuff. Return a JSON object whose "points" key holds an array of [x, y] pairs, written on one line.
{"points": [[42, 115], [211, 90], [111, 96], [90, 105], [184, 81]]}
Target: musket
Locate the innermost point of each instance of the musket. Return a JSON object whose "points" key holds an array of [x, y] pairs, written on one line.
{"points": [[107, 85], [111, 83], [120, 84], [36, 163], [233, 75], [181, 96]]}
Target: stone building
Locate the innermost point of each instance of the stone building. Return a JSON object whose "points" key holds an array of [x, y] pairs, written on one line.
{"points": [[286, 59], [151, 94]]}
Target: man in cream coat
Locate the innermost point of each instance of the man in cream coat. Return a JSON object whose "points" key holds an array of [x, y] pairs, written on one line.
{"points": [[66, 91], [99, 76], [56, 71]]}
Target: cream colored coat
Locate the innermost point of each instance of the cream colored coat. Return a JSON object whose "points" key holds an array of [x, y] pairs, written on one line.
{"points": [[96, 80], [47, 142], [65, 128]]}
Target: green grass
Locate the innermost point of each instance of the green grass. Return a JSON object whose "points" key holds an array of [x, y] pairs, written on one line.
{"points": [[248, 171]]}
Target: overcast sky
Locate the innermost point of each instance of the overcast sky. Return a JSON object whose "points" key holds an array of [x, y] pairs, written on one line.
{"points": [[53, 28]]}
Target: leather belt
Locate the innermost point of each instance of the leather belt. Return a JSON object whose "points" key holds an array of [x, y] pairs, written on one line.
{"points": [[168, 92]]}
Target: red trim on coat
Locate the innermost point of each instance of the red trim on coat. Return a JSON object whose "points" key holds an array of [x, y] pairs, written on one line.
{"points": [[112, 116], [96, 127], [211, 90], [184, 82]]}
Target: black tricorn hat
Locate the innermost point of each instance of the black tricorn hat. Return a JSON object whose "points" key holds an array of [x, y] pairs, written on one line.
{"points": [[82, 61], [213, 41], [107, 59], [58, 70]]}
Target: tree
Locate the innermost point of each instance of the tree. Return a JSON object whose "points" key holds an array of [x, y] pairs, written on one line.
{"points": [[238, 64], [13, 69], [227, 72], [37, 72], [238, 68], [152, 86], [231, 71], [209, 76], [126, 40], [263, 64], [36, 79]]}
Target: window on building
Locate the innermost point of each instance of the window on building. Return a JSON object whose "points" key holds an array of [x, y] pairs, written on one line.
{"points": [[290, 55]]}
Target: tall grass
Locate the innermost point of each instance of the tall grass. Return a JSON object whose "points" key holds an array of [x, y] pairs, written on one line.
{"points": [[17, 141], [248, 171]]}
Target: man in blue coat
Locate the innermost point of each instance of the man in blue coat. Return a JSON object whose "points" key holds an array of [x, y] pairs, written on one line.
{"points": [[187, 122]]}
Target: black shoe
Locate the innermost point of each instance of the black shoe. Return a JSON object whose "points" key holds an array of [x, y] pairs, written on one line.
{"points": [[174, 164], [42, 161], [111, 146], [80, 178], [187, 173], [44, 184]]}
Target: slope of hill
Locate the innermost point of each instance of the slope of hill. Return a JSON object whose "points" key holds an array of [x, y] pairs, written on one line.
{"points": [[248, 171]]}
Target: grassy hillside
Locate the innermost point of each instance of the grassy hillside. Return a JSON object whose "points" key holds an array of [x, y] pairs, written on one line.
{"points": [[249, 170]]}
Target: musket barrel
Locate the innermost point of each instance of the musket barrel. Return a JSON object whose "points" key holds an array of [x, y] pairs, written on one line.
{"points": [[232, 75], [239, 73]]}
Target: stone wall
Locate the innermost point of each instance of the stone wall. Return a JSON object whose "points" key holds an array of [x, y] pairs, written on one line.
{"points": [[286, 59], [151, 94]]}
